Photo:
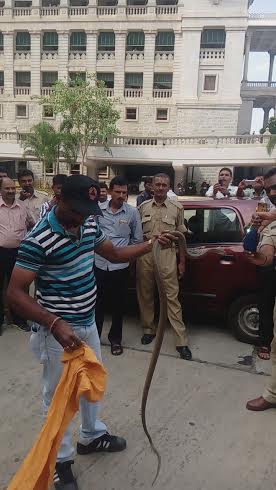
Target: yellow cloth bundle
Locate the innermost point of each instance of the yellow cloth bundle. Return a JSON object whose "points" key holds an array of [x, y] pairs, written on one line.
{"points": [[83, 375]]}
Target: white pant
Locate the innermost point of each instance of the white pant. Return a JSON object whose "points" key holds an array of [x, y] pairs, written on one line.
{"points": [[49, 352]]}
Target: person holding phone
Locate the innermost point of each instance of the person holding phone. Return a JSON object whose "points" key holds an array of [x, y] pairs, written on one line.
{"points": [[224, 187], [252, 189]]}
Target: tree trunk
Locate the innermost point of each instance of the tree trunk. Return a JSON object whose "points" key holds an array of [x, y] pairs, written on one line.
{"points": [[44, 173]]}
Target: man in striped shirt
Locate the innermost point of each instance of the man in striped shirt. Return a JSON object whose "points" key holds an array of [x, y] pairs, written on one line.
{"points": [[59, 255]]}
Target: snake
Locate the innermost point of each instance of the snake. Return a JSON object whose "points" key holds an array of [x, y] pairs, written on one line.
{"points": [[160, 332]]}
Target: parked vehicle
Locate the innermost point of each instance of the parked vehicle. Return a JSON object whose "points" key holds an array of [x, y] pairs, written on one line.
{"points": [[221, 283]]}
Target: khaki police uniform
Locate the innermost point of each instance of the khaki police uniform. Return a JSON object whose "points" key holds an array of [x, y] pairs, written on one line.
{"points": [[168, 216], [269, 238]]}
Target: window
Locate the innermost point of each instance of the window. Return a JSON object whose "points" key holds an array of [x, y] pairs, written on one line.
{"points": [[162, 115], [1, 79], [21, 111], [166, 2], [210, 83], [47, 112], [164, 41], [49, 78], [131, 113], [106, 41], [213, 38], [162, 81], [22, 78], [137, 2], [50, 3], [1, 41], [107, 78], [134, 80], [50, 41], [213, 226], [135, 41], [78, 41], [75, 169], [78, 3], [23, 41], [77, 75], [107, 3], [22, 3]]}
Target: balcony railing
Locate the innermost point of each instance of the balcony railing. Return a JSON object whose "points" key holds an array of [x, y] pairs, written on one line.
{"points": [[258, 85], [166, 9], [136, 10], [22, 91], [22, 55], [22, 11], [135, 55], [164, 55], [49, 55], [212, 55], [264, 15], [162, 93], [133, 92], [78, 11], [109, 92], [106, 10], [210, 141], [1, 90], [105, 55], [49, 11], [46, 91], [1, 11], [77, 55]]}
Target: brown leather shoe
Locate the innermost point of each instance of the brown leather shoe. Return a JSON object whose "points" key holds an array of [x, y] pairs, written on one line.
{"points": [[259, 405]]}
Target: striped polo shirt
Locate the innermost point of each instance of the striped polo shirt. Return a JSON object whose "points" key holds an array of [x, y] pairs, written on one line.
{"points": [[65, 279]]}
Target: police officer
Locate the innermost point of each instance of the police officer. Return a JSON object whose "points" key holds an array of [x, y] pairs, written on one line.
{"points": [[157, 215]]}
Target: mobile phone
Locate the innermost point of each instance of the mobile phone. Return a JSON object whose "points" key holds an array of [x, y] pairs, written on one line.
{"points": [[220, 181], [262, 207], [249, 182]]}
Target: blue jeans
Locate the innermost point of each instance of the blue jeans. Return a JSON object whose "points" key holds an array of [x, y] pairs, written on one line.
{"points": [[49, 352]]}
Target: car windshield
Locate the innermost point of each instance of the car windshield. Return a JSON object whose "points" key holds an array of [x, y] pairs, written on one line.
{"points": [[213, 226]]}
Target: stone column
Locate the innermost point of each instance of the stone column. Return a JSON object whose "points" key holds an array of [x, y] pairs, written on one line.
{"points": [[8, 67], [248, 38], [8, 8], [91, 51], [189, 50], [36, 7], [231, 83], [179, 172], [149, 53], [64, 4], [121, 7], [35, 63], [266, 116], [120, 56], [63, 55], [92, 7], [271, 67], [245, 116]]}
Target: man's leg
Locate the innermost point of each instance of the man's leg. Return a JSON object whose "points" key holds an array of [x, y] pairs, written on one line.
{"points": [[101, 296], [145, 285], [118, 283], [10, 263], [2, 281], [93, 433], [266, 300]]}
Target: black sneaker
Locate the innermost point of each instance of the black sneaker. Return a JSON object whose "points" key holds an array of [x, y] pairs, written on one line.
{"points": [[184, 352], [147, 338], [64, 478], [103, 444]]}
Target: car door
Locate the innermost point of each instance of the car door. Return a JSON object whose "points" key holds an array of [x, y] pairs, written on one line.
{"points": [[219, 269]]}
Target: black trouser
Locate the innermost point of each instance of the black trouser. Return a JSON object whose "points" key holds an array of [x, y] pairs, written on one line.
{"points": [[112, 288], [7, 261], [266, 277]]}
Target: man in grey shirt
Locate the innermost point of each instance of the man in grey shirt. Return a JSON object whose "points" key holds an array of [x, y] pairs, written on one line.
{"points": [[121, 223]]}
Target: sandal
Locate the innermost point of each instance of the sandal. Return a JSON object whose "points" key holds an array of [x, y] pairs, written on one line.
{"points": [[263, 353], [116, 349]]}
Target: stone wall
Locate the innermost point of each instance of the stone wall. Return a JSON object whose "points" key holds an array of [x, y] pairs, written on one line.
{"points": [[207, 122]]}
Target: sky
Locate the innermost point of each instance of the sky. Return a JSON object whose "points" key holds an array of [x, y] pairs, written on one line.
{"points": [[259, 62]]}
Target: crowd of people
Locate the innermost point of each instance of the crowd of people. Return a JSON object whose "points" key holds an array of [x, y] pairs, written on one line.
{"points": [[77, 248]]}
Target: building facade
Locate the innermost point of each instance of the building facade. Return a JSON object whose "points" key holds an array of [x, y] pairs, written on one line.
{"points": [[176, 68]]}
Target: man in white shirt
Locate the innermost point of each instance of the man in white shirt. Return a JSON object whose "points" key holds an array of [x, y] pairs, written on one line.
{"points": [[224, 188]]}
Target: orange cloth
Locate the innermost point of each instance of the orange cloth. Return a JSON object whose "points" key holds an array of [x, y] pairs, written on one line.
{"points": [[83, 375]]}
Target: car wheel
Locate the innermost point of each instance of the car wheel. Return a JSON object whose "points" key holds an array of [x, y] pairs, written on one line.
{"points": [[243, 319]]}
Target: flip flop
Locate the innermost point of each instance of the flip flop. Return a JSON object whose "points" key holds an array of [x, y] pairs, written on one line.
{"points": [[116, 349], [263, 353]]}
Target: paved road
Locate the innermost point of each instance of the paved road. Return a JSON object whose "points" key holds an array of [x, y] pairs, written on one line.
{"points": [[196, 414]]}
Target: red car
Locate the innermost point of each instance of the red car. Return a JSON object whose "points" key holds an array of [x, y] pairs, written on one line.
{"points": [[221, 282]]}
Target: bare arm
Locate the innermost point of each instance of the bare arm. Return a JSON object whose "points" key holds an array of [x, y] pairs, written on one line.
{"points": [[263, 257], [19, 299]]}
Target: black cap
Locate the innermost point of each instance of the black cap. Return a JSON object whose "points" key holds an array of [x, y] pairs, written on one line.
{"points": [[76, 191]]}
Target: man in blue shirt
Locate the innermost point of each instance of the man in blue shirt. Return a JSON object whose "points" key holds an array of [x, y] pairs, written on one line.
{"points": [[59, 255], [121, 223]]}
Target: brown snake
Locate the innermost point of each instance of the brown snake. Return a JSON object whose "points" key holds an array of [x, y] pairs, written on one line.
{"points": [[160, 332]]}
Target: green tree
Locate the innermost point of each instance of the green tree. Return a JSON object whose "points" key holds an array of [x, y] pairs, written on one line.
{"points": [[43, 143], [87, 112], [271, 126]]}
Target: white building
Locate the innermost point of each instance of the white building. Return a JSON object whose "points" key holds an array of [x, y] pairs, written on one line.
{"points": [[176, 68]]}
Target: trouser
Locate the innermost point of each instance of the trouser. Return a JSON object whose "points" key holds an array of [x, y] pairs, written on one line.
{"points": [[7, 261], [146, 292], [111, 285], [266, 277], [270, 392], [49, 352]]}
